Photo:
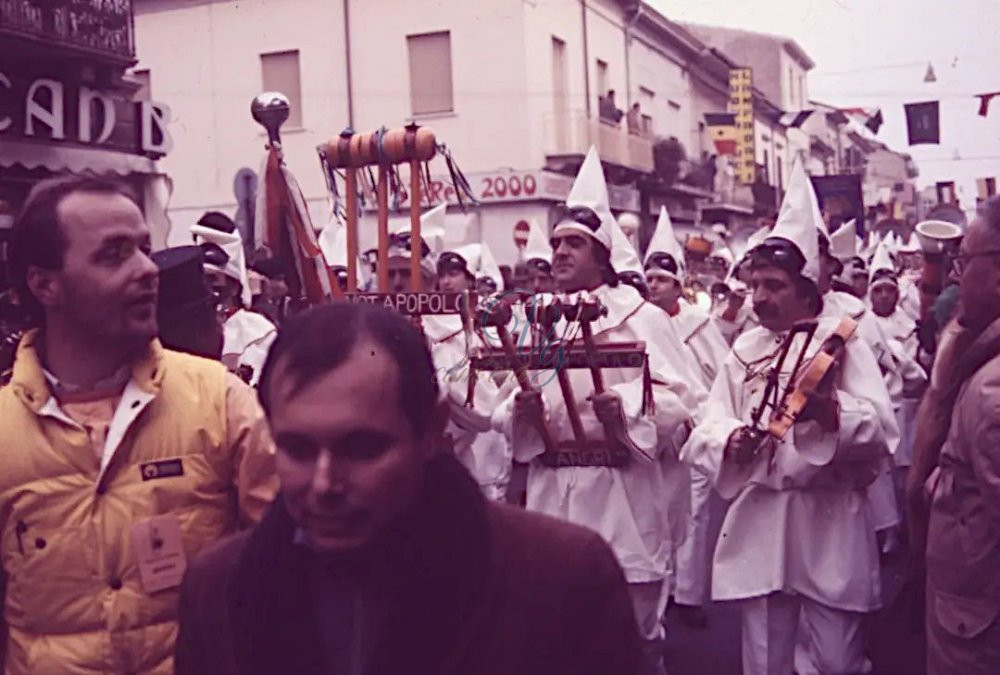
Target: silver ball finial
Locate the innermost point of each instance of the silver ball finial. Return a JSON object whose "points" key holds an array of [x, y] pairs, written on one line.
{"points": [[270, 110]]}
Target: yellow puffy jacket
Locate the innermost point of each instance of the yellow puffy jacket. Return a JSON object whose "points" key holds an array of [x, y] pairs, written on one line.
{"points": [[187, 439]]}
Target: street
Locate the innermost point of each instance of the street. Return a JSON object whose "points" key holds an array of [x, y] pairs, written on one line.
{"points": [[893, 646]]}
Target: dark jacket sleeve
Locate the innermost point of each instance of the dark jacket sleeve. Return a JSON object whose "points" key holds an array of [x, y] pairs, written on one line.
{"points": [[204, 639], [609, 642]]}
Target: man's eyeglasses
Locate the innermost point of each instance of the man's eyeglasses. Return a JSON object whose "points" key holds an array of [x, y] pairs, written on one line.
{"points": [[961, 261]]}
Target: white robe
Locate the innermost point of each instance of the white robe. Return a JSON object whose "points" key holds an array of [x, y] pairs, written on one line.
{"points": [[803, 525], [247, 338], [902, 333], [745, 320], [701, 334], [483, 451], [641, 509]]}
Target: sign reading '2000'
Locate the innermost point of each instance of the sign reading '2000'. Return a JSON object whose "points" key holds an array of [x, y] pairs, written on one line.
{"points": [[412, 303]]}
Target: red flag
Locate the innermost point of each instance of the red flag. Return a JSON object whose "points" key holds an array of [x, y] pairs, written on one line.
{"points": [[288, 233]]}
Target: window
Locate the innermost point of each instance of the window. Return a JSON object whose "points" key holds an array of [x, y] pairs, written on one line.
{"points": [[802, 93], [779, 178], [143, 93], [430, 73], [280, 72], [767, 167], [791, 89], [602, 78], [647, 104]]}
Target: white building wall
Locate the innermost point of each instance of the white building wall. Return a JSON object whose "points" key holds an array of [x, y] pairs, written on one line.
{"points": [[204, 62], [656, 68]]}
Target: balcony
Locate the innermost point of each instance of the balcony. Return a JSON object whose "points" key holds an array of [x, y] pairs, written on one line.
{"points": [[80, 27], [571, 134]]}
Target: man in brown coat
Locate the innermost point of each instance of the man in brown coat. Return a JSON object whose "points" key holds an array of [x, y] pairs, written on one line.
{"points": [[963, 543], [381, 555]]}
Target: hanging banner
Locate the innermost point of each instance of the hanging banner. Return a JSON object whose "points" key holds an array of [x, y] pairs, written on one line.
{"points": [[741, 105]]}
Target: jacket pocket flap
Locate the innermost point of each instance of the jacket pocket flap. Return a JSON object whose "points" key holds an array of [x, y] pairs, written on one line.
{"points": [[964, 617]]}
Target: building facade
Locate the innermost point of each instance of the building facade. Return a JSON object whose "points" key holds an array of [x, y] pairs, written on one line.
{"points": [[517, 90], [67, 106]]}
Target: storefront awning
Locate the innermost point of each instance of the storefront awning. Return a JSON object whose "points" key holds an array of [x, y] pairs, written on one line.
{"points": [[60, 158]]}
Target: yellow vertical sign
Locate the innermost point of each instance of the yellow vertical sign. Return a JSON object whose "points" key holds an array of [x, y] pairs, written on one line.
{"points": [[741, 105]]}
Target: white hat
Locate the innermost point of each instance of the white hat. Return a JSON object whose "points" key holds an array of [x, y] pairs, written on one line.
{"points": [[488, 267], [799, 220], [431, 235], [590, 192], [232, 244], [844, 242], [912, 245], [538, 247], [333, 243], [665, 242], [623, 255], [882, 263]]}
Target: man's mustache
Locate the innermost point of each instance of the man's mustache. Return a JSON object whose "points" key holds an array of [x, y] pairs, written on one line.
{"points": [[765, 309]]}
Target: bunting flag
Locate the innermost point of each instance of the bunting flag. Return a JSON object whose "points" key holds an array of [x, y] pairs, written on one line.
{"points": [[984, 102], [794, 120], [722, 131], [288, 233], [871, 118], [923, 122]]}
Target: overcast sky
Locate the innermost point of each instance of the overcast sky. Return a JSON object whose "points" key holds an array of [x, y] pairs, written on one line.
{"points": [[875, 53]]}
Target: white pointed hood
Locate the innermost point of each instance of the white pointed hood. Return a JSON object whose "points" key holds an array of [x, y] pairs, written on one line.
{"points": [[488, 267], [590, 191], [844, 242], [799, 220], [623, 255], [538, 247], [665, 241], [882, 262], [333, 243], [431, 233], [232, 244]]}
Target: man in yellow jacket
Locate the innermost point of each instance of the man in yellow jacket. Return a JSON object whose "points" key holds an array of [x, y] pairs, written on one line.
{"points": [[119, 460]]}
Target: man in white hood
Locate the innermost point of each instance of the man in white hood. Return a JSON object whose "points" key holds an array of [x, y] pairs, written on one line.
{"points": [[664, 274], [484, 451], [798, 539], [635, 427], [247, 334], [901, 331]]}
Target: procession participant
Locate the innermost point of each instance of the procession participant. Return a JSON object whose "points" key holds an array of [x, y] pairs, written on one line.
{"points": [[797, 540], [401, 247], [273, 301], [902, 339], [837, 304], [625, 261], [247, 334], [482, 450], [625, 504], [732, 314], [380, 555], [963, 549], [538, 260], [120, 459], [186, 310], [697, 331], [911, 259], [333, 243]]}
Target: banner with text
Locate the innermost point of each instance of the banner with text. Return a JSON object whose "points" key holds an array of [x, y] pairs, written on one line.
{"points": [[741, 105]]}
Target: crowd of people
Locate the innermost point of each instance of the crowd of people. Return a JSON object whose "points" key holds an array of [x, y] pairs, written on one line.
{"points": [[199, 475]]}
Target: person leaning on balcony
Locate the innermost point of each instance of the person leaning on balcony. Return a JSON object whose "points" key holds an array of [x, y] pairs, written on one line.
{"points": [[634, 119], [608, 109]]}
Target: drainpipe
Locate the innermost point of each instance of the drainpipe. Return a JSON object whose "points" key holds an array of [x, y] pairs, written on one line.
{"points": [[629, 25], [347, 56], [586, 56]]}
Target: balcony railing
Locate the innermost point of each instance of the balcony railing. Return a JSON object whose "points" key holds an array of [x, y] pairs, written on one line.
{"points": [[572, 133], [100, 29]]}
